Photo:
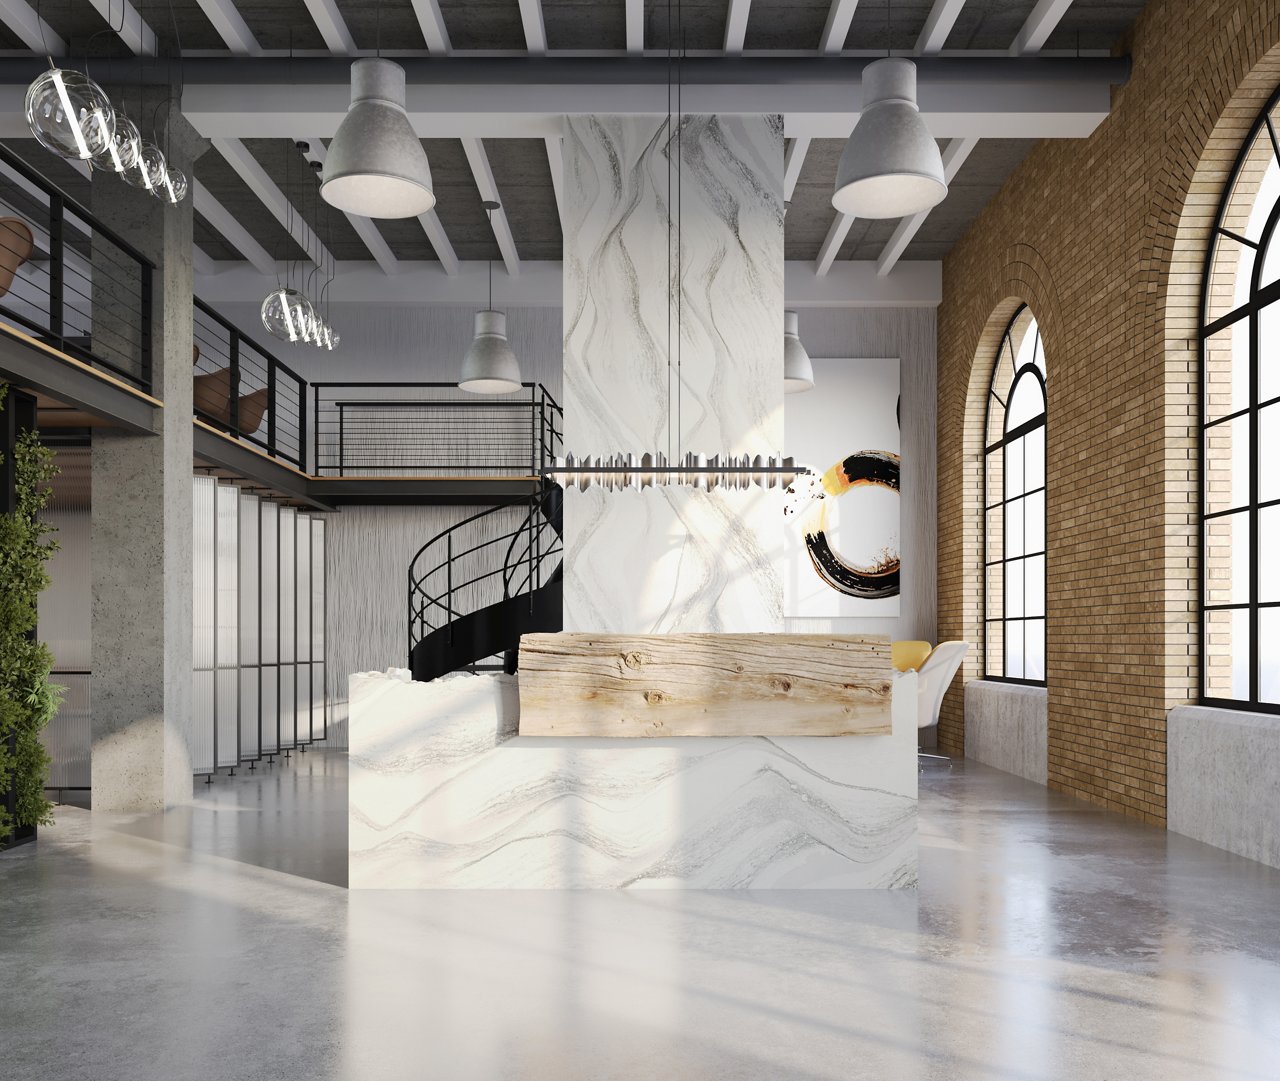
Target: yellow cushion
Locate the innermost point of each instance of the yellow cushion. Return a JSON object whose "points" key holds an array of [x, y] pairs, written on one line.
{"points": [[909, 656]]}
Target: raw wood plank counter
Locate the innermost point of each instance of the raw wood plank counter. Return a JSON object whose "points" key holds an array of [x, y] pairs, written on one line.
{"points": [[576, 684]]}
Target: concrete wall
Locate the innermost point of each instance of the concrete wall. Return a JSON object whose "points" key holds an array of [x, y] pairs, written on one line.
{"points": [[1006, 726]]}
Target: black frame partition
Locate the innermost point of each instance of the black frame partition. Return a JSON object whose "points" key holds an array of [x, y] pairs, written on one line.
{"points": [[1028, 505], [1239, 422], [83, 289]]}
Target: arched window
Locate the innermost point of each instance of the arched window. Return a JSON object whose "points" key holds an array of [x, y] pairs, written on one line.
{"points": [[1240, 445], [1015, 507]]}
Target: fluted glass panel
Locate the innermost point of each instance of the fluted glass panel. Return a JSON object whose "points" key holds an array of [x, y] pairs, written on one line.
{"points": [[204, 615]]}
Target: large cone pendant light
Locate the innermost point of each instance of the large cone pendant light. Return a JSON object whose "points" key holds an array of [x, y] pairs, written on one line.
{"points": [[376, 166], [490, 366], [797, 370], [891, 167]]}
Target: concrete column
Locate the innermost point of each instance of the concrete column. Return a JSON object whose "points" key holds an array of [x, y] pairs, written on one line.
{"points": [[142, 554]]}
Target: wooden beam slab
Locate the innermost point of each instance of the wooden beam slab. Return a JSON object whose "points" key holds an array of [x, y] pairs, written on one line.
{"points": [[576, 684]]}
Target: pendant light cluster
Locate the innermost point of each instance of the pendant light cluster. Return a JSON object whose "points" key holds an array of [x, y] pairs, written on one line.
{"points": [[71, 115]]}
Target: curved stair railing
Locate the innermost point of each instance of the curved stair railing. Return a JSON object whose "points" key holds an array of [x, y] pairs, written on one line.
{"points": [[467, 606]]}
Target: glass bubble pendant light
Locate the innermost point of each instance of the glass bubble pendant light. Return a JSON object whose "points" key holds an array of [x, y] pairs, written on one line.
{"points": [[150, 171], [70, 114], [285, 313], [121, 153]]}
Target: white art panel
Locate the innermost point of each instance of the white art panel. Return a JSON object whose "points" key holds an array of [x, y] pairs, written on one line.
{"points": [[842, 524]]}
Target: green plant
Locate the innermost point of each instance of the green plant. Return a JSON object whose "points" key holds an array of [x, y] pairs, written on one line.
{"points": [[27, 699]]}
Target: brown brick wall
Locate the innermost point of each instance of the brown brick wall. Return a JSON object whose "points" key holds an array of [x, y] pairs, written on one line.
{"points": [[1105, 239]]}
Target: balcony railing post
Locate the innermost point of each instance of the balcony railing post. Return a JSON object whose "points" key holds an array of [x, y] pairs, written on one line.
{"points": [[342, 426], [56, 266], [315, 428], [302, 422], [234, 377], [271, 407], [449, 588]]}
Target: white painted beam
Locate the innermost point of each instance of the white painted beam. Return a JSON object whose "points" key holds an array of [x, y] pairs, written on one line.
{"points": [[848, 285], [332, 26], [36, 34], [430, 222], [479, 162], [792, 164], [535, 31], [837, 28], [255, 176], [942, 17], [431, 21], [231, 27], [364, 227], [735, 27], [635, 27], [1042, 22], [202, 262], [555, 159], [231, 230], [954, 156], [831, 246], [128, 22]]}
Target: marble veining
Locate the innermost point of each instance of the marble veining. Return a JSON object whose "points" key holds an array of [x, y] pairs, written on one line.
{"points": [[444, 793]]}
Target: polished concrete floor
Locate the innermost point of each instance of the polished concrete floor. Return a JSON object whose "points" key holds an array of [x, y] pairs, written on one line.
{"points": [[1047, 940]]}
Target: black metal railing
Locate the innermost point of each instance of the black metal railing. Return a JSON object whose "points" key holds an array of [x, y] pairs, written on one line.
{"points": [[504, 552], [243, 390], [69, 280], [390, 429]]}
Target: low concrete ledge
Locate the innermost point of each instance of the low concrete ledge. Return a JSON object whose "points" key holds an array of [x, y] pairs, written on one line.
{"points": [[1006, 725], [1223, 779]]}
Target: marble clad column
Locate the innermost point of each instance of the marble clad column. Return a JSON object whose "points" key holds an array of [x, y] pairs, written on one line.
{"points": [[671, 559], [142, 508]]}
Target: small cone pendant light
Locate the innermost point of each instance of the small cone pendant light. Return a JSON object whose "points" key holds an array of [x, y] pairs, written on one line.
{"points": [[490, 366], [797, 370]]}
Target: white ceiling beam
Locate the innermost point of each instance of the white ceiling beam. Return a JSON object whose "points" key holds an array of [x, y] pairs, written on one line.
{"points": [[837, 28], [535, 31], [36, 34], [735, 27], [479, 162], [831, 246], [201, 261], [231, 27], [133, 29], [332, 26], [430, 222], [364, 227], [635, 27], [792, 163], [555, 159], [1042, 22], [431, 21], [850, 284], [255, 176], [954, 156], [230, 229], [942, 17]]}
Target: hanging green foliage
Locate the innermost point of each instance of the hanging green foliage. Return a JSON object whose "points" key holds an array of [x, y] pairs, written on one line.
{"points": [[27, 699]]}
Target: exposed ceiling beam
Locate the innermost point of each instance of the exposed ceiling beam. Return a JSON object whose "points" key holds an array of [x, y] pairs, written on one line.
{"points": [[201, 261], [332, 26], [255, 176], [635, 27], [451, 97], [479, 162], [231, 230], [364, 227], [837, 28], [231, 27], [430, 222], [735, 26], [792, 163], [555, 159], [831, 246], [36, 34], [942, 17], [133, 29], [954, 156], [535, 31], [1042, 22], [434, 32]]}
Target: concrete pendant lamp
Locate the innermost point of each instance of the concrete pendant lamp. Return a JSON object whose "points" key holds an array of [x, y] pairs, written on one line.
{"points": [[797, 370], [376, 166], [490, 367], [891, 167]]}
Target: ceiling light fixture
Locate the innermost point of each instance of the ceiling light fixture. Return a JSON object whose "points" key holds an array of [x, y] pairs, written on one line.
{"points": [[891, 166], [797, 369], [490, 366], [376, 166]]}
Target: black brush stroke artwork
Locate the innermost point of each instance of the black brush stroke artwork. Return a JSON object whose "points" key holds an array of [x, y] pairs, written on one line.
{"points": [[878, 467]]}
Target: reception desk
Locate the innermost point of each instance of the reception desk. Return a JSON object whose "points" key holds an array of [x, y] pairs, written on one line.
{"points": [[446, 793]]}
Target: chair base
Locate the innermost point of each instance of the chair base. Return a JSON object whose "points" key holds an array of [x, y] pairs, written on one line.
{"points": [[936, 757]]}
